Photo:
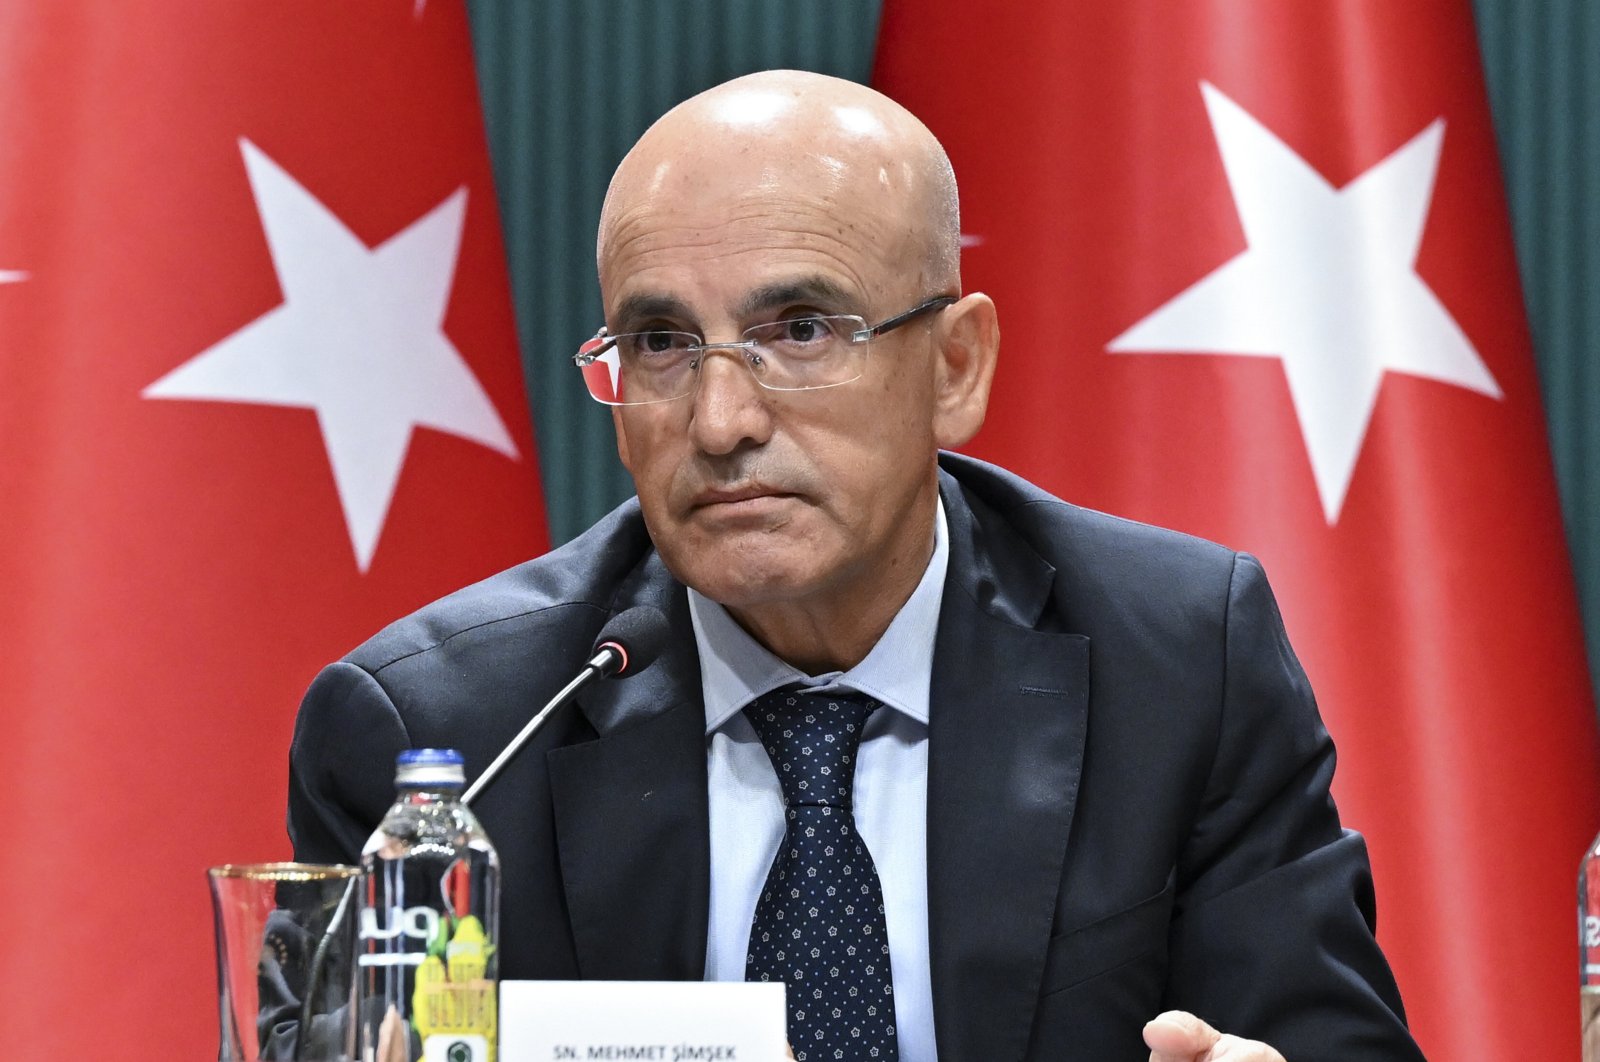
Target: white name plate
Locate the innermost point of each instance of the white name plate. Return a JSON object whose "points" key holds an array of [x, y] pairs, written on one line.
{"points": [[642, 1021]]}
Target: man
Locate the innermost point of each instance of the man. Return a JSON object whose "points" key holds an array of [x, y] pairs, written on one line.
{"points": [[1090, 785]]}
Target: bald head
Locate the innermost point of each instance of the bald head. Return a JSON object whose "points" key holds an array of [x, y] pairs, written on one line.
{"points": [[821, 143]]}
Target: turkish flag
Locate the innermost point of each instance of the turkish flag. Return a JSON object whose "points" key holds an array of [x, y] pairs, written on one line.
{"points": [[1256, 283], [259, 395]]}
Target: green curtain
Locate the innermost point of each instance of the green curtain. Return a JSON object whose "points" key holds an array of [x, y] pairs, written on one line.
{"points": [[568, 85], [1542, 62]]}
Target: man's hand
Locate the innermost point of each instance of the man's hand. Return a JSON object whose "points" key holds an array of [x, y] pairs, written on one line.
{"points": [[1178, 1036]]}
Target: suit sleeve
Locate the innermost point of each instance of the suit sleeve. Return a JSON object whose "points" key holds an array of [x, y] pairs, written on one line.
{"points": [[1273, 935], [341, 764]]}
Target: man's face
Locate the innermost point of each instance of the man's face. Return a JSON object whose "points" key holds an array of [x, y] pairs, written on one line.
{"points": [[756, 497]]}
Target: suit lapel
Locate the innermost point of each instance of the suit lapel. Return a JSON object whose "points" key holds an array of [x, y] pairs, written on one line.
{"points": [[1005, 755], [631, 811]]}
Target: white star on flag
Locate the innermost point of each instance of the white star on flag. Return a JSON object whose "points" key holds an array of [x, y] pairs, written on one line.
{"points": [[1328, 284], [359, 338], [613, 364]]}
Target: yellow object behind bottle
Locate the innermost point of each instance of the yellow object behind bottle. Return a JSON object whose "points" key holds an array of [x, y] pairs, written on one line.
{"points": [[453, 999]]}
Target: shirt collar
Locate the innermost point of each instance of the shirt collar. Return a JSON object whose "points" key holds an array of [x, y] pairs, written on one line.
{"points": [[735, 669]]}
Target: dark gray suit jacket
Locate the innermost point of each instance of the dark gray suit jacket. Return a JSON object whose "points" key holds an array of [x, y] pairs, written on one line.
{"points": [[1128, 804]]}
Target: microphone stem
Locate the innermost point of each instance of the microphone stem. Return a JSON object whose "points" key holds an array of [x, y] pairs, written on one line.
{"points": [[582, 679]]}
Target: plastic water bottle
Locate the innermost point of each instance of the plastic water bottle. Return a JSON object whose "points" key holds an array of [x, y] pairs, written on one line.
{"points": [[429, 922], [1589, 951]]}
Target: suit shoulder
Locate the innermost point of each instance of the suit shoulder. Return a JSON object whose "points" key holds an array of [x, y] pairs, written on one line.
{"points": [[1118, 547], [1088, 546], [579, 577]]}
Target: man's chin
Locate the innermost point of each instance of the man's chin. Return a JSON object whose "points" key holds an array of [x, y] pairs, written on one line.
{"points": [[746, 559], [743, 582], [739, 591]]}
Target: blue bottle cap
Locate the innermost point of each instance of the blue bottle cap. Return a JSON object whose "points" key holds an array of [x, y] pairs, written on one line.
{"points": [[430, 768]]}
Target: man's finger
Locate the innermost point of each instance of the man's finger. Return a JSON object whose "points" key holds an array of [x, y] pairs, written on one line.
{"points": [[1233, 1049], [1178, 1036]]}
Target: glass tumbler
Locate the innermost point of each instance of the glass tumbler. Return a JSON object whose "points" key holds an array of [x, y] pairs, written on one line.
{"points": [[286, 943]]}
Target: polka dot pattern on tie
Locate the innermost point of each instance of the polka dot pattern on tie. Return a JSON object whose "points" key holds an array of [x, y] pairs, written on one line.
{"points": [[819, 924]]}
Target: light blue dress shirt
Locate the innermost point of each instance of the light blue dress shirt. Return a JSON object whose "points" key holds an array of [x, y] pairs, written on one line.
{"points": [[891, 785]]}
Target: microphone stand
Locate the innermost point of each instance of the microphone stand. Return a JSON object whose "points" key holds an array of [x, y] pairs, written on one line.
{"points": [[602, 663]]}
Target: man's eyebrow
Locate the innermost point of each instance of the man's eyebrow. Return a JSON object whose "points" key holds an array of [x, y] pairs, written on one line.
{"points": [[818, 291], [646, 305]]}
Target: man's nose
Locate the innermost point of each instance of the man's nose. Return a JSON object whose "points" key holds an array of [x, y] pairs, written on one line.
{"points": [[730, 408]]}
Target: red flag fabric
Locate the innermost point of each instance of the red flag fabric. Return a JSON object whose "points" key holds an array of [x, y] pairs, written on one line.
{"points": [[259, 395], [1256, 283]]}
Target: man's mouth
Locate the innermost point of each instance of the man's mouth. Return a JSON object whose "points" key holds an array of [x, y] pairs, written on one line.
{"points": [[741, 497]]}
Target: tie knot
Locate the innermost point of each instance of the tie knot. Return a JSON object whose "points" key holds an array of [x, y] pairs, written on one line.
{"points": [[811, 739]]}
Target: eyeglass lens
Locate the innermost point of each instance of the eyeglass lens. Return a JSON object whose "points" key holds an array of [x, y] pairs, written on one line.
{"points": [[788, 355]]}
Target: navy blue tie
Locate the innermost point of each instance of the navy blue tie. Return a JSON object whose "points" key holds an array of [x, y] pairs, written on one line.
{"points": [[819, 924]]}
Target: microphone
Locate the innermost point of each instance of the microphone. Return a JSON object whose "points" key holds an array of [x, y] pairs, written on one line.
{"points": [[630, 642], [626, 646]]}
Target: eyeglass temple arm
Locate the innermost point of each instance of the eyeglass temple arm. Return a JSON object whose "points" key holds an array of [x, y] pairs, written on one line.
{"points": [[937, 303]]}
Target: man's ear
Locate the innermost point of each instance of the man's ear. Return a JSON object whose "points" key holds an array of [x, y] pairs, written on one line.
{"points": [[967, 335]]}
